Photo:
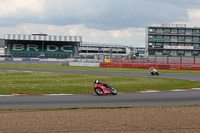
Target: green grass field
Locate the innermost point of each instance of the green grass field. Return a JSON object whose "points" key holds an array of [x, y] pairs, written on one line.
{"points": [[56, 83], [47, 66]]}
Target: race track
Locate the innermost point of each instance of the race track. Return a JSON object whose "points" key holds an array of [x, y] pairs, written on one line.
{"points": [[92, 100], [192, 77]]}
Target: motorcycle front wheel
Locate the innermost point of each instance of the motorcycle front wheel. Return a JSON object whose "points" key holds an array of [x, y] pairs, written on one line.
{"points": [[99, 91], [114, 92]]}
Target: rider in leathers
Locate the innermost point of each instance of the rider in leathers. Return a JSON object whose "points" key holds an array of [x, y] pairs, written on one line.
{"points": [[98, 82]]}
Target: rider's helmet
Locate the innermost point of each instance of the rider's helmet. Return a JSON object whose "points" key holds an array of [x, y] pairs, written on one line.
{"points": [[151, 68], [96, 81]]}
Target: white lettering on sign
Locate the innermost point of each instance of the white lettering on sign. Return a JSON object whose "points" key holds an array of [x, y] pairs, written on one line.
{"points": [[66, 46], [49, 48], [18, 47], [37, 48], [32, 46]]}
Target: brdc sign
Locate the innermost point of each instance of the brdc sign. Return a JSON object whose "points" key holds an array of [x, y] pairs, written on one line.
{"points": [[36, 48]]}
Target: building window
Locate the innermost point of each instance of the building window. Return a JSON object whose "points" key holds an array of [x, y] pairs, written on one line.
{"points": [[195, 39], [173, 52], [165, 52], [158, 52], [181, 52], [174, 38], [151, 52], [181, 38], [150, 45], [152, 30], [160, 44], [159, 37], [195, 53], [166, 44], [188, 53], [181, 31], [151, 36], [166, 30], [189, 31], [188, 39], [166, 38], [196, 46], [159, 30], [173, 44], [196, 32], [174, 31], [188, 44], [180, 44]]}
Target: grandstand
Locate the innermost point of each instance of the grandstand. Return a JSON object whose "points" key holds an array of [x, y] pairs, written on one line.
{"points": [[41, 45]]}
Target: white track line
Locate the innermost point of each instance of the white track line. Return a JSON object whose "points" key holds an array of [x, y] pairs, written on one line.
{"points": [[28, 71], [195, 88], [179, 90], [151, 91], [57, 94]]}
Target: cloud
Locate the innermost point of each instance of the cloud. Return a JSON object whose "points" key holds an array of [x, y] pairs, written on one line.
{"points": [[129, 36], [193, 18], [20, 8], [103, 15], [105, 21]]}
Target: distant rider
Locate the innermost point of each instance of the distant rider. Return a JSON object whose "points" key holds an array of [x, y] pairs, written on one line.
{"points": [[152, 70]]}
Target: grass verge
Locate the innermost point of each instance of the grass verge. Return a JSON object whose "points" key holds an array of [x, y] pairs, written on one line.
{"points": [[58, 83]]}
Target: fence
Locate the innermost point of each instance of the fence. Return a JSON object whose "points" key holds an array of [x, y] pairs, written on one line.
{"points": [[180, 60], [159, 60]]}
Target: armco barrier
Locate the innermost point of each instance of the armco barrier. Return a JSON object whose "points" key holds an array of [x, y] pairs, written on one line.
{"points": [[147, 66], [85, 64], [8, 59], [30, 59], [17, 59], [2, 59]]}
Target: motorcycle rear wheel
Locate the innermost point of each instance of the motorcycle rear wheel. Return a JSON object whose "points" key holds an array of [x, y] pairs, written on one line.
{"points": [[99, 91]]}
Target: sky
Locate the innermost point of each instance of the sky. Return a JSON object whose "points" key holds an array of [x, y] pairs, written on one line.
{"points": [[120, 22]]}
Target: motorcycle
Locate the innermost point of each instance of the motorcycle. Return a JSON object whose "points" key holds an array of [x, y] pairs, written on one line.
{"points": [[154, 72], [101, 89]]}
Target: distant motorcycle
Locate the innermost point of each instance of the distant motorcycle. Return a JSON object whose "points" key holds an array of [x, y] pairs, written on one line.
{"points": [[154, 72], [101, 89]]}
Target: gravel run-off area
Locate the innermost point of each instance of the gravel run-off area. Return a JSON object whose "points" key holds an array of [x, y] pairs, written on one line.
{"points": [[183, 119]]}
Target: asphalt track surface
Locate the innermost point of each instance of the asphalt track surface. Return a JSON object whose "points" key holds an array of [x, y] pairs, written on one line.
{"points": [[92, 100], [130, 74]]}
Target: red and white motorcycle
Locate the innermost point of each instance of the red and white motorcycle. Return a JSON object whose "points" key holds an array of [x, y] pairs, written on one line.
{"points": [[101, 89]]}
